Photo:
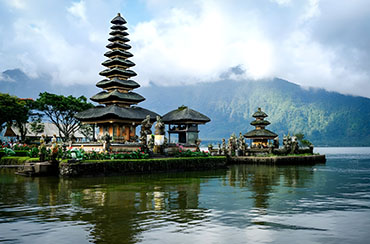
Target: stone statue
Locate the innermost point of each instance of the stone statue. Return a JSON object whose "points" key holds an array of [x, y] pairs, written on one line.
{"points": [[146, 125], [54, 148], [159, 127], [295, 146], [224, 146], [42, 148], [146, 129], [151, 142], [106, 142], [231, 146], [197, 142]]}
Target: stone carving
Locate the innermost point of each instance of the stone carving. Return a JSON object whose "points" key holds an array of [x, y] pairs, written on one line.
{"points": [[159, 127], [197, 142], [219, 151], [54, 148], [106, 142], [231, 145], [151, 142], [223, 146], [42, 149], [146, 129]]}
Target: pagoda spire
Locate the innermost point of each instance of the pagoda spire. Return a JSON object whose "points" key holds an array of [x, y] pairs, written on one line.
{"points": [[117, 84]]}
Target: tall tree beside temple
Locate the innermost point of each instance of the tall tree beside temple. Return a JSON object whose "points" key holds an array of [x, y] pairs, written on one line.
{"points": [[15, 111], [61, 111], [117, 117]]}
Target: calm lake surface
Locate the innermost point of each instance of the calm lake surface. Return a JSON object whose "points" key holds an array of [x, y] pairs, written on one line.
{"points": [[243, 204]]}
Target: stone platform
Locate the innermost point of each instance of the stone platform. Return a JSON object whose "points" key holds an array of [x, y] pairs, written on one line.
{"points": [[278, 160]]}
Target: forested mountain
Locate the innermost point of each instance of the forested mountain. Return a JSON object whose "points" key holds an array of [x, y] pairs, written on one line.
{"points": [[326, 118]]}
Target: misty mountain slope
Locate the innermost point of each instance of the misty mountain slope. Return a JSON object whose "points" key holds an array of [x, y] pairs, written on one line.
{"points": [[326, 118]]}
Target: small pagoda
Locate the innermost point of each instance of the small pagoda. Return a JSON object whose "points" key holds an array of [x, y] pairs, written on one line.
{"points": [[260, 136], [184, 122], [116, 116]]}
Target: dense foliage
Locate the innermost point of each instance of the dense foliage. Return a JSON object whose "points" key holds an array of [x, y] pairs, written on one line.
{"points": [[15, 111], [61, 111], [325, 118]]}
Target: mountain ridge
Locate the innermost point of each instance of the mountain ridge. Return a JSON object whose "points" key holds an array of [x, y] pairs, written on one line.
{"points": [[326, 118]]}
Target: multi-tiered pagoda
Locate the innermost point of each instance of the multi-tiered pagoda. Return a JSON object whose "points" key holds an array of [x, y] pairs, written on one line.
{"points": [[260, 136], [116, 116]]}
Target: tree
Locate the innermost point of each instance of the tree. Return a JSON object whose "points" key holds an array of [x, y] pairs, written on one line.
{"points": [[15, 111], [86, 130], [61, 111], [303, 142], [8, 104], [36, 126]]}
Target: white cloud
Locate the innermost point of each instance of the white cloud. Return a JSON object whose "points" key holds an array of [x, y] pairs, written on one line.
{"points": [[19, 4], [310, 42], [78, 10]]}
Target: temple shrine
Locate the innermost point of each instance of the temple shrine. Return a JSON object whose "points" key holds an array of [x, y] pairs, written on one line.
{"points": [[183, 122], [116, 116], [260, 136]]}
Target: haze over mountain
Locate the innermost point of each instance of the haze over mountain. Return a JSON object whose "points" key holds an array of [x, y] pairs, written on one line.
{"points": [[326, 118]]}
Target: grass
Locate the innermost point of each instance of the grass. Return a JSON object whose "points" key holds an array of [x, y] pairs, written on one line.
{"points": [[16, 160]]}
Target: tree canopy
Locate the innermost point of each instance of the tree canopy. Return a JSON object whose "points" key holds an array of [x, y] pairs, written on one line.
{"points": [[61, 111], [15, 111]]}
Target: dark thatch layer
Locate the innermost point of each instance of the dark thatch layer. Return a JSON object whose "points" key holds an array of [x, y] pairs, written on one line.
{"points": [[118, 38], [118, 53], [119, 33], [118, 61], [115, 112], [185, 115], [118, 71], [118, 82], [259, 113], [262, 133], [260, 122], [118, 20], [118, 45], [116, 95], [119, 27]]}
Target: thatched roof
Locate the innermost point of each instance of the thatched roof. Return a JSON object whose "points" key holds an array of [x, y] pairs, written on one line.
{"points": [[260, 122], [118, 52], [259, 113], [118, 61], [117, 82], [185, 115], [132, 113], [118, 27], [118, 45], [116, 95], [261, 133], [118, 20], [117, 71]]}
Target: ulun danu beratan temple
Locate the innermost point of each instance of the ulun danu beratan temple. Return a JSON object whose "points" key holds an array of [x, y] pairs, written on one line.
{"points": [[116, 116]]}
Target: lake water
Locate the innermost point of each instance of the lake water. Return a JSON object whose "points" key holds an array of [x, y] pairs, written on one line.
{"points": [[243, 204]]}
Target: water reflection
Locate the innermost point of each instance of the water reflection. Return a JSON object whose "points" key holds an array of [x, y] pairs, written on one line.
{"points": [[123, 209]]}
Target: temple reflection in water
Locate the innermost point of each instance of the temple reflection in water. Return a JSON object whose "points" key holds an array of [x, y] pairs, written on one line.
{"points": [[119, 208]]}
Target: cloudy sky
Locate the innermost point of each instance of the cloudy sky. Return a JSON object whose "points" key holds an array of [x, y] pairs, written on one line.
{"points": [[314, 43]]}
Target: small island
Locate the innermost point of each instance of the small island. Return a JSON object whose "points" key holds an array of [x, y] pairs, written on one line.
{"points": [[118, 148]]}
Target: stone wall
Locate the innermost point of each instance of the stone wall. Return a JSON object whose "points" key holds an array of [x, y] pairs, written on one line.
{"points": [[120, 167], [279, 160]]}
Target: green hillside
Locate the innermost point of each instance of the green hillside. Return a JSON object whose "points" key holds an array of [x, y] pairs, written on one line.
{"points": [[326, 118]]}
